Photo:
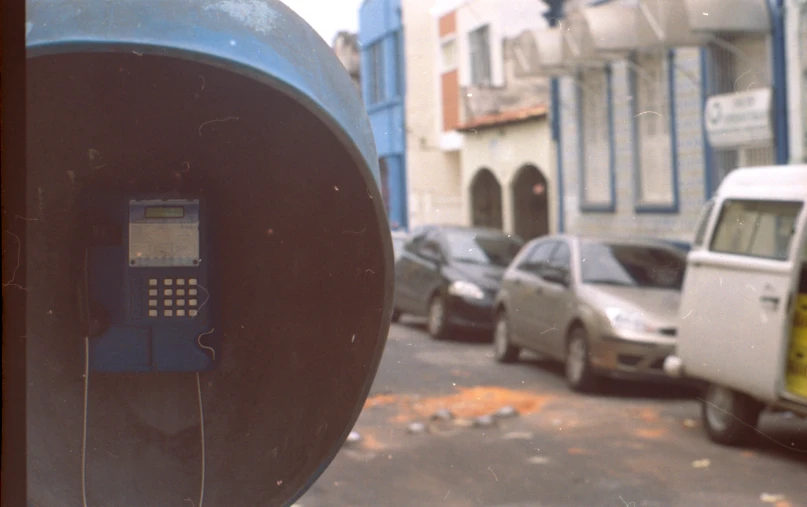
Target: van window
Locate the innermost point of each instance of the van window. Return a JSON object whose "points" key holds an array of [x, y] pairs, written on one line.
{"points": [[703, 221], [756, 228]]}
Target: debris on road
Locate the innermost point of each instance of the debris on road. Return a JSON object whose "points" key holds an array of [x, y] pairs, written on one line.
{"points": [[463, 423], [506, 411], [701, 463], [538, 460], [771, 498], [690, 423], [416, 428], [484, 421], [518, 435], [353, 437], [442, 415]]}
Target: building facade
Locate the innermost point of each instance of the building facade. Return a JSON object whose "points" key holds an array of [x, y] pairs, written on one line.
{"points": [[493, 113], [655, 102], [383, 90]]}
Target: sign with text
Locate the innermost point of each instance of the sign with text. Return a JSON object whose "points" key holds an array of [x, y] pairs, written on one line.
{"points": [[738, 119]]}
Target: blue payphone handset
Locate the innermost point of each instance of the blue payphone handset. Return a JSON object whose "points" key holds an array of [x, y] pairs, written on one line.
{"points": [[147, 293]]}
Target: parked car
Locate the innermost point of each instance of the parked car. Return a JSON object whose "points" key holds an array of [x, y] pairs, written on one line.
{"points": [[451, 274], [602, 306], [743, 326]]}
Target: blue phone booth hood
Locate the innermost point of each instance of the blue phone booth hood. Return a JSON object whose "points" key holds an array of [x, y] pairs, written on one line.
{"points": [[261, 39]]}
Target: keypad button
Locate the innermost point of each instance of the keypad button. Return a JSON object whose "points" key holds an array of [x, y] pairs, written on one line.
{"points": [[152, 313], [168, 313], [192, 313], [191, 292], [168, 302], [180, 302], [192, 302], [152, 292], [168, 292], [180, 281], [180, 292], [153, 282], [192, 281], [180, 313], [168, 282], [152, 302]]}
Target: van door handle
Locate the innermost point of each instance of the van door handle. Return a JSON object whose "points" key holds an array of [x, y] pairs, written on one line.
{"points": [[770, 299]]}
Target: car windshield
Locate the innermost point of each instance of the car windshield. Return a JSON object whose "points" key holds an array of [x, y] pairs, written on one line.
{"points": [[487, 249], [632, 265]]}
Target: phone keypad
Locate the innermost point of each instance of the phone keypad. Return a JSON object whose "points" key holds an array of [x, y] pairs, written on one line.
{"points": [[188, 307]]}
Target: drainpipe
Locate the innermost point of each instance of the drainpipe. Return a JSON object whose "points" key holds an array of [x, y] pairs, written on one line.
{"points": [[553, 16], [781, 133]]}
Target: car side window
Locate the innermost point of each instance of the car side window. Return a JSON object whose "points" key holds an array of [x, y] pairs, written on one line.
{"points": [[415, 243], [538, 258], [756, 228], [562, 258], [430, 247]]}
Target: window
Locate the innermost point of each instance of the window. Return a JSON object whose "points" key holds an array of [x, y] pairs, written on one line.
{"points": [[375, 72], [398, 71], [538, 258], [483, 249], [562, 258], [594, 128], [738, 63], [654, 178], [627, 265], [703, 222], [448, 55], [479, 43], [756, 228]]}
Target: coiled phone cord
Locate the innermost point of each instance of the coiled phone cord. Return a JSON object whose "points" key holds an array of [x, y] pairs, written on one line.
{"points": [[84, 428]]}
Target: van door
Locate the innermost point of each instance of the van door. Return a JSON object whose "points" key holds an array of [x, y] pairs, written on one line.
{"points": [[734, 309]]}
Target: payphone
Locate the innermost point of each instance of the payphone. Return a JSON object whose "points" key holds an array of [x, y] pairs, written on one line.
{"points": [[146, 293]]}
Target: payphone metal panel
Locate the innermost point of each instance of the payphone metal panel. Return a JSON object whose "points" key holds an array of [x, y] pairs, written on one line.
{"points": [[154, 289]]}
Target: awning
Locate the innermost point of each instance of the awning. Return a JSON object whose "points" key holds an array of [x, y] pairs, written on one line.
{"points": [[729, 16], [552, 53], [665, 23], [579, 47], [612, 27]]}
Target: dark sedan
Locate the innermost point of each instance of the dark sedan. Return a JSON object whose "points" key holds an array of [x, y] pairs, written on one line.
{"points": [[452, 275]]}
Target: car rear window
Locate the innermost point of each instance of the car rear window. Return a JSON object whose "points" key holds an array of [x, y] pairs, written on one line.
{"points": [[628, 265]]}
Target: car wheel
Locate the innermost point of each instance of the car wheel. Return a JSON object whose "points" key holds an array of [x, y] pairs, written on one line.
{"points": [[503, 351], [579, 374], [729, 417], [437, 326], [396, 315]]}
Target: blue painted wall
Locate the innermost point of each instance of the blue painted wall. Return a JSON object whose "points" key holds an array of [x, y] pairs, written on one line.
{"points": [[380, 23]]}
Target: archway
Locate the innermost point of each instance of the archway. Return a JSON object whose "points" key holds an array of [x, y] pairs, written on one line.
{"points": [[530, 203], [486, 200]]}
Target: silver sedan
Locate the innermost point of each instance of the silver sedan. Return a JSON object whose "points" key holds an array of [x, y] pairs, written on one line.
{"points": [[603, 307]]}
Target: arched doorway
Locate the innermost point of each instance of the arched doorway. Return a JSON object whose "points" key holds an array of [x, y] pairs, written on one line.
{"points": [[486, 200], [530, 203]]}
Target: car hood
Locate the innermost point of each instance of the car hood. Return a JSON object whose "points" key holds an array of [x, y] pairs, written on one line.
{"points": [[488, 277], [659, 306]]}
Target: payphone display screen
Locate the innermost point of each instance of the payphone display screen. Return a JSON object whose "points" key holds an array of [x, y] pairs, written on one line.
{"points": [[163, 234]]}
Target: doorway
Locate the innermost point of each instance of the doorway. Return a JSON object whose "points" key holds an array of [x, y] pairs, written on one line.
{"points": [[486, 200], [530, 203]]}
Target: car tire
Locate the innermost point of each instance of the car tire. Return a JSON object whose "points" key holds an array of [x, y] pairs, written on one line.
{"points": [[437, 326], [503, 350], [729, 417], [579, 373]]}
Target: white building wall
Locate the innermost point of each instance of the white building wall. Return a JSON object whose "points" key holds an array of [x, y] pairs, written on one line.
{"points": [[625, 220], [796, 41], [433, 175], [504, 150]]}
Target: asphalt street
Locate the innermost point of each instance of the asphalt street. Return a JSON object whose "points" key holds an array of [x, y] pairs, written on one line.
{"points": [[629, 446]]}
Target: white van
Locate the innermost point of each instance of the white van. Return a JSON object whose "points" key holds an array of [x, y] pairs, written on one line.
{"points": [[743, 316]]}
